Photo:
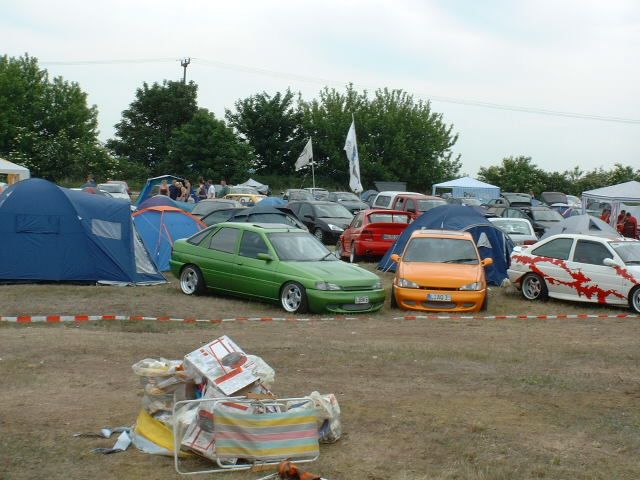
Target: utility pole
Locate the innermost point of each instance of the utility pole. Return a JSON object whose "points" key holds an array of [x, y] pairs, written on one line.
{"points": [[184, 63]]}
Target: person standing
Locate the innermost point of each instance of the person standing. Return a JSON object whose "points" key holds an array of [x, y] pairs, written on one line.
{"points": [[164, 188], [202, 189], [606, 215], [174, 190], [225, 190], [211, 191], [620, 221], [630, 226], [91, 182]]}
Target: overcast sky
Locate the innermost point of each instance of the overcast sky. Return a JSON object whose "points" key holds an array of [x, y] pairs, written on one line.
{"points": [[576, 56]]}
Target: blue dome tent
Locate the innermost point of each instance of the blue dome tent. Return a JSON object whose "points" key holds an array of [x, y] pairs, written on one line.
{"points": [[160, 227], [51, 233], [164, 201], [491, 241]]}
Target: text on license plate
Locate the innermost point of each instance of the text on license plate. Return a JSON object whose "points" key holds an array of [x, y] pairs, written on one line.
{"points": [[390, 237], [360, 300], [439, 297]]}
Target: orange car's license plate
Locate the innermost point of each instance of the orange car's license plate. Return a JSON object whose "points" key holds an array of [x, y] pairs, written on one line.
{"points": [[439, 297]]}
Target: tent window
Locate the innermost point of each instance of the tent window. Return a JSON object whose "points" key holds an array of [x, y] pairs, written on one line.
{"points": [[38, 224], [104, 229]]}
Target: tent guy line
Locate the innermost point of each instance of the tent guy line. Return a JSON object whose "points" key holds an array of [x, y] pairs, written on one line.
{"points": [[137, 318]]}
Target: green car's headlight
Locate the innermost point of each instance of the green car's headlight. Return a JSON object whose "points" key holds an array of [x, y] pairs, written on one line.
{"points": [[327, 286], [377, 285], [404, 283], [475, 286]]}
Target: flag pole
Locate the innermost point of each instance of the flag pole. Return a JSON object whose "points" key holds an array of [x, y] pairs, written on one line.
{"points": [[313, 171]]}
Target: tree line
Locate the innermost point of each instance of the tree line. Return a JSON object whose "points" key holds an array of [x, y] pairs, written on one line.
{"points": [[520, 174], [47, 125]]}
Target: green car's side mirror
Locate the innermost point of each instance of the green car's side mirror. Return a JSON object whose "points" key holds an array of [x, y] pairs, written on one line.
{"points": [[264, 256]]}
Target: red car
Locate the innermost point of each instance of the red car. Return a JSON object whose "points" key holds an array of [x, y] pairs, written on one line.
{"points": [[372, 233]]}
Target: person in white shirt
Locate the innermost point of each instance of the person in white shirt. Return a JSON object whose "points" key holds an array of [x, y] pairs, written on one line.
{"points": [[211, 192]]}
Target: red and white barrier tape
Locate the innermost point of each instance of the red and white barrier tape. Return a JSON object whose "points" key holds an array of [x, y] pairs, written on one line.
{"points": [[96, 318], [517, 317]]}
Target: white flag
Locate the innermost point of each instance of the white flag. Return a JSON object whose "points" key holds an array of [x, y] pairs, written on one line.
{"points": [[351, 147], [306, 157]]}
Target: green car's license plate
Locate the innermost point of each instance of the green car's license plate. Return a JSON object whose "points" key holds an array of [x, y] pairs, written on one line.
{"points": [[439, 297], [361, 300]]}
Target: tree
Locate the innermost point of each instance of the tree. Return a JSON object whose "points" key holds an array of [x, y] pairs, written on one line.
{"points": [[271, 125], [206, 147], [143, 134], [47, 125], [516, 174], [398, 138]]}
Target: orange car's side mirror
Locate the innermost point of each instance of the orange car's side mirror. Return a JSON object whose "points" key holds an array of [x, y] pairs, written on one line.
{"points": [[395, 257], [487, 261]]}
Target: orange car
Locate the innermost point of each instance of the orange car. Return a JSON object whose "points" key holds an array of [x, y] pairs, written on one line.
{"points": [[440, 271]]}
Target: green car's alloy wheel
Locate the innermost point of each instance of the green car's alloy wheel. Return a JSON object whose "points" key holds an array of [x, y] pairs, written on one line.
{"points": [[293, 298], [191, 281]]}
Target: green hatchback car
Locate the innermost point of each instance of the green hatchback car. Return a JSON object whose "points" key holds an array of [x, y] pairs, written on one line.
{"points": [[277, 263]]}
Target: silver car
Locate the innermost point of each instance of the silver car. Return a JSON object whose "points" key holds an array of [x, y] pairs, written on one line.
{"points": [[519, 230]]}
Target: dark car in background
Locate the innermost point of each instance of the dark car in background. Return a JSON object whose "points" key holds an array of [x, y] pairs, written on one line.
{"points": [[219, 216], [326, 220], [206, 206], [511, 199], [540, 217], [297, 194], [348, 200]]}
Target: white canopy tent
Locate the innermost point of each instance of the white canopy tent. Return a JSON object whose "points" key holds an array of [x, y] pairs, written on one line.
{"points": [[618, 196], [469, 187], [14, 172]]}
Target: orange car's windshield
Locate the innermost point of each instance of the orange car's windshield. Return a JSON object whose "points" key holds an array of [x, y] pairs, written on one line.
{"points": [[440, 250]]}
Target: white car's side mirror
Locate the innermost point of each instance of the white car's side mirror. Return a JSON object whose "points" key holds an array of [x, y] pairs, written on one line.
{"points": [[610, 262]]}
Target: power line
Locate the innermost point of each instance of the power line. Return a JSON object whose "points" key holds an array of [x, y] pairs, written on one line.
{"points": [[327, 82]]}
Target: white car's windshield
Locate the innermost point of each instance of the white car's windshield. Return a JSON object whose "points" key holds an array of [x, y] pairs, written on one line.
{"points": [[299, 247], [441, 250], [511, 227], [629, 251]]}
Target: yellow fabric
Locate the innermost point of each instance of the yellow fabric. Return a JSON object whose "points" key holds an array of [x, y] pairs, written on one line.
{"points": [[154, 430]]}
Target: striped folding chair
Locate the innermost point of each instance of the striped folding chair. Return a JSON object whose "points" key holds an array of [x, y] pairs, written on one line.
{"points": [[265, 433]]}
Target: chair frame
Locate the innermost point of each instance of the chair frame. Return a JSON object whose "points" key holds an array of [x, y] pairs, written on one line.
{"points": [[177, 439]]}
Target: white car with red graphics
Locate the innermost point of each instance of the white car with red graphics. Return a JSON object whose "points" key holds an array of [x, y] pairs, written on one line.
{"points": [[579, 267]]}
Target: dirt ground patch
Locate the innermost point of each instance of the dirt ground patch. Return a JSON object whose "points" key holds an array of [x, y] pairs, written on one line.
{"points": [[420, 399]]}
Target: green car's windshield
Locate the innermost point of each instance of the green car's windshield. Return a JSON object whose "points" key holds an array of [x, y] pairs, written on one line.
{"points": [[299, 247], [629, 251], [440, 250]]}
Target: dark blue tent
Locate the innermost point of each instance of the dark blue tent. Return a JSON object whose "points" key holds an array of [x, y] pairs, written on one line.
{"points": [[491, 241], [160, 227], [164, 201], [51, 233], [148, 189]]}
